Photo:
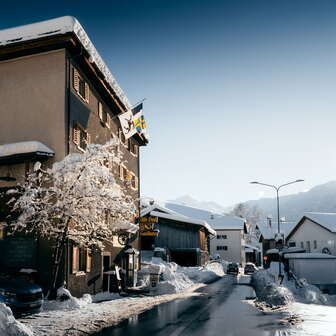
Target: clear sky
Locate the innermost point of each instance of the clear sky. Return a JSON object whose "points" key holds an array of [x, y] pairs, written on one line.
{"points": [[236, 90]]}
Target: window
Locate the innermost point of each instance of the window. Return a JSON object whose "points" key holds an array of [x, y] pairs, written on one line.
{"points": [[81, 259], [134, 149], [222, 248], [315, 244], [80, 137], [301, 245], [134, 181], [291, 244], [104, 116], [308, 246], [122, 137], [80, 86], [123, 173], [221, 236]]}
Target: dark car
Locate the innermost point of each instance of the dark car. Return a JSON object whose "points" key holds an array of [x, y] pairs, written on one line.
{"points": [[232, 268], [21, 296], [249, 268]]}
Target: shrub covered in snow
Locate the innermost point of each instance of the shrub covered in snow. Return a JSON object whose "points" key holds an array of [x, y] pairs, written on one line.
{"points": [[268, 291], [9, 326]]}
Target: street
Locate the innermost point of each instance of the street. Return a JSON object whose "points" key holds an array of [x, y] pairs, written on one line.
{"points": [[220, 309]]}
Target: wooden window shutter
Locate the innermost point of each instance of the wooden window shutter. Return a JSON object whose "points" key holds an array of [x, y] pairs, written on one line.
{"points": [[75, 80], [100, 111], [88, 138], [76, 135], [87, 92], [108, 120], [75, 259], [88, 261]]}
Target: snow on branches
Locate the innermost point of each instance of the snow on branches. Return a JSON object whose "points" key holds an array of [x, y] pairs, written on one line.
{"points": [[78, 198]]}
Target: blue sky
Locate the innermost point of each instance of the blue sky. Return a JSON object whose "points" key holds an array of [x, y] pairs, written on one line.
{"points": [[236, 90]]}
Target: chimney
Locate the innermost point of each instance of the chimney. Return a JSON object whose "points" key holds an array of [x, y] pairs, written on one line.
{"points": [[269, 221]]}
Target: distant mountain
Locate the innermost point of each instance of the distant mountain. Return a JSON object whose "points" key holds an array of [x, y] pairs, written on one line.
{"points": [[321, 198], [203, 205]]}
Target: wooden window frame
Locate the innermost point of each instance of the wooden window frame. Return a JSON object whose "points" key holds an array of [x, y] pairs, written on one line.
{"points": [[135, 179], [77, 79], [132, 147], [77, 133], [122, 137], [81, 260], [104, 116]]}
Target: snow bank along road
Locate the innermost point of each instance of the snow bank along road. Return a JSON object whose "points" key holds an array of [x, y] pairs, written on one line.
{"points": [[95, 316], [221, 308]]}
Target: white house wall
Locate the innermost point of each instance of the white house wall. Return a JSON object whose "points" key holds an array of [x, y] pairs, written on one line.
{"points": [[309, 231], [315, 271], [234, 243]]}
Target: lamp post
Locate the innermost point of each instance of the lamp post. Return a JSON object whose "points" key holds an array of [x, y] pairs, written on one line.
{"points": [[277, 188]]}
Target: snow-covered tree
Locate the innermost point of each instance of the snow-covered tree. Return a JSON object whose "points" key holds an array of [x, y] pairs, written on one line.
{"points": [[77, 199]]}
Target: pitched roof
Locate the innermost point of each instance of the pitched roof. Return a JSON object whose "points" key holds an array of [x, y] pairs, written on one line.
{"points": [[228, 223], [160, 211], [268, 232], [325, 219]]}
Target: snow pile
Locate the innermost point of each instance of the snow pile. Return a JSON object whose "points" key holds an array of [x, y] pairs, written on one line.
{"points": [[207, 273], [65, 301], [307, 293], [9, 326], [175, 279], [268, 291]]}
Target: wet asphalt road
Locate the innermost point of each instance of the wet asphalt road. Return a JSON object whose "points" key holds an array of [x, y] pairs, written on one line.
{"points": [[220, 309]]}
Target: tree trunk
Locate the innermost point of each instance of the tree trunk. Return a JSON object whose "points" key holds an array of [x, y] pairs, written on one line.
{"points": [[58, 253]]}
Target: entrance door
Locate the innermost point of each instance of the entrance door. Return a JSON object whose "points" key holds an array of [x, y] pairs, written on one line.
{"points": [[106, 268]]}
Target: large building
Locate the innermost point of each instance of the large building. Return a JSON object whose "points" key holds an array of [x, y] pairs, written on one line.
{"points": [[229, 243], [57, 95]]}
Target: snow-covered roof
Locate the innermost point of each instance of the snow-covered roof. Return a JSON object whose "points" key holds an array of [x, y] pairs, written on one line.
{"points": [[327, 220], [162, 212], [268, 232], [24, 147], [157, 207], [60, 26], [227, 223], [308, 256]]}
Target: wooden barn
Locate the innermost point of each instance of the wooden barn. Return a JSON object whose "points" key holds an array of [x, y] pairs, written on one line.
{"points": [[185, 239]]}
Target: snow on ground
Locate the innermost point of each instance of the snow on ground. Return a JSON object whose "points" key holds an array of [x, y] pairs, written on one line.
{"points": [[9, 326], [318, 320], [316, 310], [92, 313], [92, 317]]}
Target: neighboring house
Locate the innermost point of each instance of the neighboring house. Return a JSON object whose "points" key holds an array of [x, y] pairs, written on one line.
{"points": [[315, 232], [187, 239], [57, 95], [266, 231], [229, 243]]}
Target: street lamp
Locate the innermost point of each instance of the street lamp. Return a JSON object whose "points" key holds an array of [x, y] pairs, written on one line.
{"points": [[277, 188]]}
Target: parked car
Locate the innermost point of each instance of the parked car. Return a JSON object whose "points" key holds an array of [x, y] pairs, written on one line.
{"points": [[232, 268], [21, 296], [249, 268]]}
